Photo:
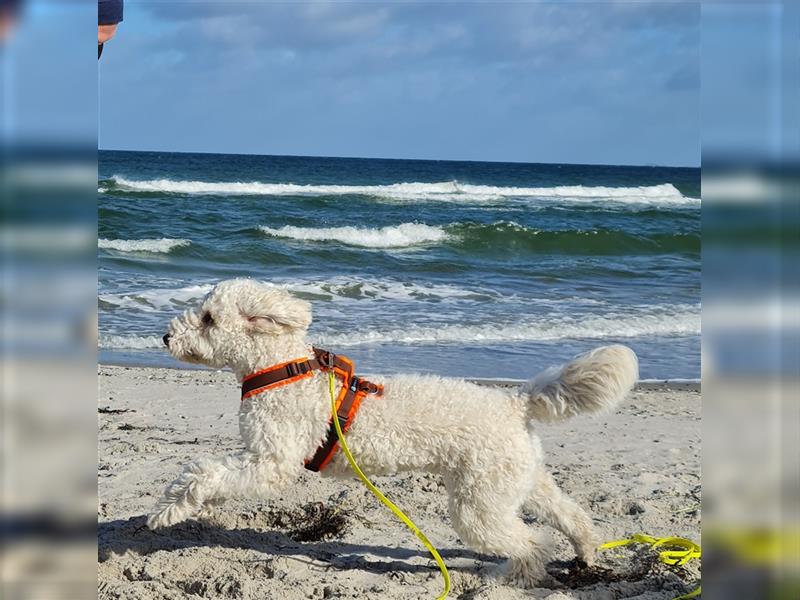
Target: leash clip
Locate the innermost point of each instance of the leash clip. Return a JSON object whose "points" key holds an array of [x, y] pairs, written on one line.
{"points": [[328, 360]]}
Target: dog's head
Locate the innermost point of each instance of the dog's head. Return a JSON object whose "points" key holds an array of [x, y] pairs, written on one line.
{"points": [[240, 322]]}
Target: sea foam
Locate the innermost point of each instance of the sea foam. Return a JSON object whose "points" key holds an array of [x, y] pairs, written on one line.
{"points": [[665, 320], [666, 193], [158, 299], [129, 342], [677, 320], [338, 288], [405, 235], [162, 245]]}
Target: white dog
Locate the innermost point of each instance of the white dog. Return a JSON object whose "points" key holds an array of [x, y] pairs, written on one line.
{"points": [[479, 440]]}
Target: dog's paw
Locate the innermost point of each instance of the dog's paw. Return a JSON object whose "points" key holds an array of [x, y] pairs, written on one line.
{"points": [[586, 549], [587, 558], [526, 573], [207, 513], [157, 521], [166, 517]]}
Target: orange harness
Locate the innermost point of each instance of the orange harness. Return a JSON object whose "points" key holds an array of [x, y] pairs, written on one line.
{"points": [[353, 391]]}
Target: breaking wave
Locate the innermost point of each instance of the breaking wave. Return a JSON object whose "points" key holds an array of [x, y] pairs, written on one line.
{"points": [[336, 288], [129, 342], [405, 235], [158, 298], [495, 237], [677, 320], [670, 320], [663, 194], [162, 245]]}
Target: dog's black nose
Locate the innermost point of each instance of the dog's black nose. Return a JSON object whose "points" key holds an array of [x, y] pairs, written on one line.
{"points": [[166, 339]]}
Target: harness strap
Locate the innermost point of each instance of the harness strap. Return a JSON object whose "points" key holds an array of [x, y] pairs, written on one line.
{"points": [[295, 370], [348, 403], [352, 393], [277, 376]]}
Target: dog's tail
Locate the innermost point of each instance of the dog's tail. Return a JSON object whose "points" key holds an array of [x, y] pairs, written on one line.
{"points": [[591, 383]]}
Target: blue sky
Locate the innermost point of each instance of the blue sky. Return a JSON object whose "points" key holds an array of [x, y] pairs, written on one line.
{"points": [[602, 82]]}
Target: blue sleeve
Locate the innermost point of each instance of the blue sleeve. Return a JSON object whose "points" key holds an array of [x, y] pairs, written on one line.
{"points": [[109, 12]]}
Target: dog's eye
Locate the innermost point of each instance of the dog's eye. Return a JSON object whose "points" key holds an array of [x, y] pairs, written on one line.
{"points": [[208, 319]]}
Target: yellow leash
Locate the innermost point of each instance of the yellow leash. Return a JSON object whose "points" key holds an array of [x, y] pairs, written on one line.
{"points": [[379, 495], [677, 551]]}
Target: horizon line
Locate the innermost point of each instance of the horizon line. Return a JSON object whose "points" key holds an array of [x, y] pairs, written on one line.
{"points": [[513, 162]]}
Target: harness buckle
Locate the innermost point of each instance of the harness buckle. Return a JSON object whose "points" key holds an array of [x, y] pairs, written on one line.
{"points": [[293, 369]]}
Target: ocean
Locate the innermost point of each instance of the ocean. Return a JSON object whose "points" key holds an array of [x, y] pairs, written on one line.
{"points": [[471, 269]]}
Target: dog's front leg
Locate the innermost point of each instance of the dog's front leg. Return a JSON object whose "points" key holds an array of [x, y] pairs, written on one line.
{"points": [[209, 481]]}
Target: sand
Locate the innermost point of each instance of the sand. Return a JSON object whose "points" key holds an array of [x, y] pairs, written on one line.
{"points": [[636, 471]]}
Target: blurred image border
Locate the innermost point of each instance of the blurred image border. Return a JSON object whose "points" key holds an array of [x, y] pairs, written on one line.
{"points": [[751, 298]]}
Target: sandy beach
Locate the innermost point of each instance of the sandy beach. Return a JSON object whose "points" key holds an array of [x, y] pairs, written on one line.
{"points": [[636, 471]]}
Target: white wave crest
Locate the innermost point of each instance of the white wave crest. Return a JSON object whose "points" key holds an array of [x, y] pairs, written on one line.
{"points": [[405, 235], [665, 193], [158, 299], [162, 245], [129, 342], [345, 288], [664, 320], [339, 288], [682, 320]]}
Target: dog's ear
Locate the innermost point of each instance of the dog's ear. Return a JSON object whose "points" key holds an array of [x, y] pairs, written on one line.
{"points": [[275, 311]]}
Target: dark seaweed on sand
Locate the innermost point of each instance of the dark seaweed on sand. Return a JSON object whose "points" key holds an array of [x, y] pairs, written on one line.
{"points": [[311, 523], [641, 566]]}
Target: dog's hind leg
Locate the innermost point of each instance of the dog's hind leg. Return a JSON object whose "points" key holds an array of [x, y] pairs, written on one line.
{"points": [[208, 481], [486, 518], [553, 507]]}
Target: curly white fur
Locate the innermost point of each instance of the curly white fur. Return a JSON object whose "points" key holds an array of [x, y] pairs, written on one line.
{"points": [[585, 385], [478, 439]]}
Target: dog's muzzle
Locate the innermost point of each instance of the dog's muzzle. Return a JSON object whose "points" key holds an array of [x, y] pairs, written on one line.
{"points": [[166, 338]]}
